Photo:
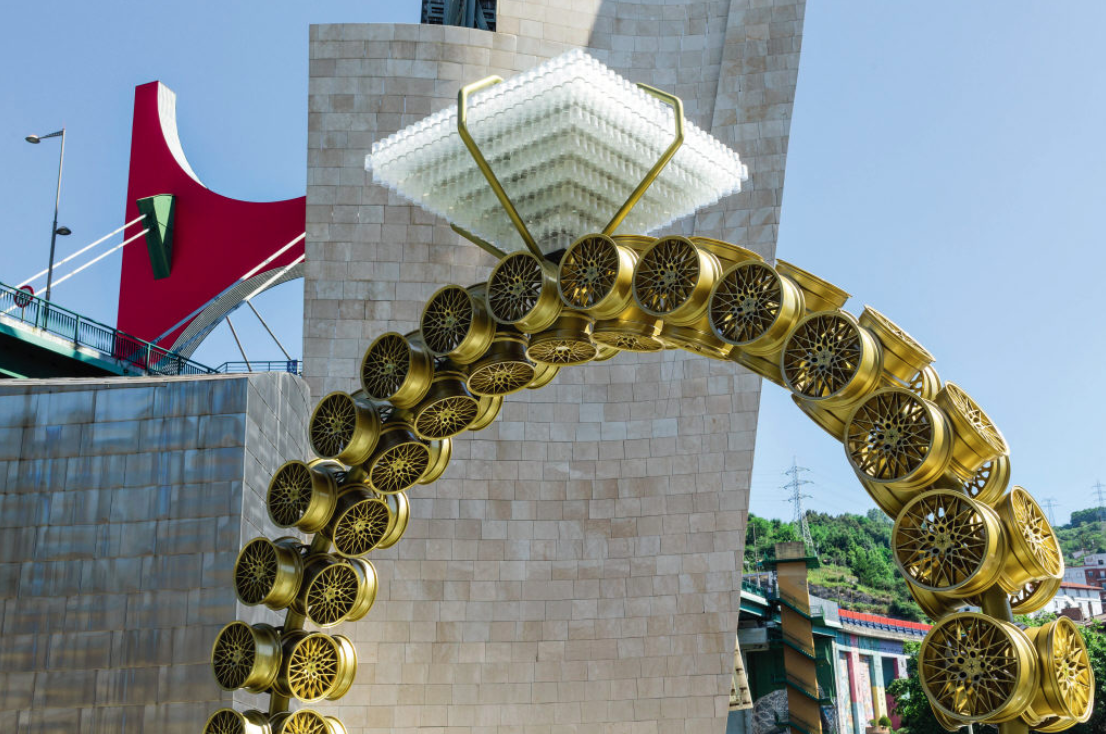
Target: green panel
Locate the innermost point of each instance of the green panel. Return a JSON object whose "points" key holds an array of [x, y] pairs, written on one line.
{"points": [[159, 211], [764, 669]]}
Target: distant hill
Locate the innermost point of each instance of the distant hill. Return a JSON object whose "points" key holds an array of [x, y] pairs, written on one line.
{"points": [[857, 570]]}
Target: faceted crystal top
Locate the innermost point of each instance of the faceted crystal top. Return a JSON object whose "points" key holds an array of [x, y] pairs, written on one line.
{"points": [[569, 140]]}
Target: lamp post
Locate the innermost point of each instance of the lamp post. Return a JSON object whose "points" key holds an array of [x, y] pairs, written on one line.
{"points": [[55, 230]]}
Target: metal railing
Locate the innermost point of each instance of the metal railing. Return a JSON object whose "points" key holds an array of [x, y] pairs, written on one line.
{"points": [[294, 366], [130, 351]]}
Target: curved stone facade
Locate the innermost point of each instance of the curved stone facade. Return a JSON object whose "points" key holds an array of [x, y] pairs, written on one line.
{"points": [[577, 568]]}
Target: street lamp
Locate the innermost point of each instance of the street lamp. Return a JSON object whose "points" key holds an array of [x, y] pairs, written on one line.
{"points": [[55, 230]]}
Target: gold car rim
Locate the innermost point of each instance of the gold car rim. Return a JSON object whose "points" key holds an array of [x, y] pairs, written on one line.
{"points": [[229, 721], [947, 543], [456, 324], [306, 721], [302, 496], [903, 356], [399, 516], [522, 292], [673, 280], [360, 522], [990, 481], [976, 668], [448, 408], [503, 370], [246, 656], [487, 410], [567, 342], [897, 439], [343, 428], [1034, 595], [439, 453], [1067, 682], [818, 294], [310, 670], [596, 275], [396, 369], [268, 572], [1034, 549], [829, 358], [977, 439], [400, 461], [752, 307]]}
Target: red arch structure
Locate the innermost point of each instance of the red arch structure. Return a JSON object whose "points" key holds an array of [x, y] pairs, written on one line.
{"points": [[216, 240]]}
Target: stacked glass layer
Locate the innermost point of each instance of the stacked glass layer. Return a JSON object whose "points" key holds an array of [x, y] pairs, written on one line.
{"points": [[569, 141]]}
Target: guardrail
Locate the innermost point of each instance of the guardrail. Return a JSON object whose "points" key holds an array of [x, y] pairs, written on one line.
{"points": [[130, 351], [294, 366]]}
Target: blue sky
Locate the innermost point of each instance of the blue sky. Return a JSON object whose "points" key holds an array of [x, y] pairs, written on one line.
{"points": [[945, 166]]}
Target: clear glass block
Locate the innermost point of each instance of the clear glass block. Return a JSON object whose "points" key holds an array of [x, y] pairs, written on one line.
{"points": [[569, 141]]}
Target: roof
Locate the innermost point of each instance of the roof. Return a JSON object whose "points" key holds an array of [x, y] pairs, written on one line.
{"points": [[1069, 585], [881, 622]]}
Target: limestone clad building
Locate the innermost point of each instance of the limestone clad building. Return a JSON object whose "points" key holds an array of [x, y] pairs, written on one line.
{"points": [[577, 568]]}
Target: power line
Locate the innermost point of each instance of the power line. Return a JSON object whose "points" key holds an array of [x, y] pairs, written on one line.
{"points": [[797, 499], [1049, 503], [1100, 490]]}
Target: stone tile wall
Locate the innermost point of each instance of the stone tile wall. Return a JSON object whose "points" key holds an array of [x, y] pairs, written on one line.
{"points": [[123, 504], [577, 567]]}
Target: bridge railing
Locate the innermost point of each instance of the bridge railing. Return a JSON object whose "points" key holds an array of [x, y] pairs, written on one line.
{"points": [[19, 305]]}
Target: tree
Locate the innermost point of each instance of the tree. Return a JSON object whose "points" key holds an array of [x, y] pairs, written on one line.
{"points": [[911, 703]]}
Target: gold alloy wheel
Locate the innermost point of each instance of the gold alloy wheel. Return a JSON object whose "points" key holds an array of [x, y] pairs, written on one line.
{"points": [[311, 667], [595, 276], [1034, 595], [306, 721], [456, 324], [754, 308], [360, 522], [897, 439], [229, 721], [632, 332], [673, 280], [891, 501], [1034, 550], [448, 408], [925, 384], [246, 656], [727, 252], [829, 358], [343, 428], [347, 667], [949, 544], [439, 453], [268, 572], [933, 605], [819, 295], [567, 342], [302, 495], [1066, 679], [977, 439], [400, 461], [398, 518], [487, 410], [336, 590], [903, 356], [975, 668], [396, 369], [990, 481], [503, 370], [543, 375], [522, 292], [697, 338]]}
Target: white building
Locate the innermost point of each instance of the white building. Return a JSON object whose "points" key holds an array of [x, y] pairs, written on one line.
{"points": [[1083, 597]]}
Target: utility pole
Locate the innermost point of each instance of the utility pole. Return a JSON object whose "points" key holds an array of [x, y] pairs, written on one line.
{"points": [[1049, 503], [796, 499]]}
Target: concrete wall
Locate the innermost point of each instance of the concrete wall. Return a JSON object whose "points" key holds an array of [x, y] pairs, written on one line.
{"points": [[123, 504], [577, 567]]}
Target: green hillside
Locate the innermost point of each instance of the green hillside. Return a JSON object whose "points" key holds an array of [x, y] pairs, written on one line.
{"points": [[857, 570]]}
